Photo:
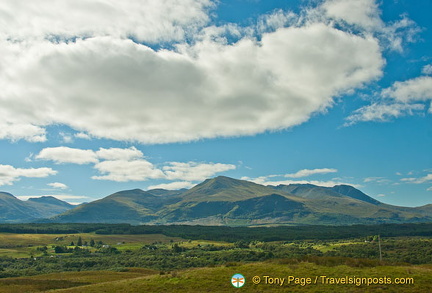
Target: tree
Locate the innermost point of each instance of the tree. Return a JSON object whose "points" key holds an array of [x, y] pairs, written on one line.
{"points": [[60, 249], [92, 243], [79, 243], [72, 244]]}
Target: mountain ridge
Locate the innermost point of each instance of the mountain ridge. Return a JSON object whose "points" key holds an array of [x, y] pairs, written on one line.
{"points": [[14, 210], [226, 201]]}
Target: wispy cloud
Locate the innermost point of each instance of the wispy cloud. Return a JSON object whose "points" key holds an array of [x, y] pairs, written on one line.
{"points": [[58, 185], [271, 180], [420, 180], [173, 185], [309, 172], [70, 198], [380, 180]]}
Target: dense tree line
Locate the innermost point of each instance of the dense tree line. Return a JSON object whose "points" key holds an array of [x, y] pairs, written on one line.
{"points": [[230, 234]]}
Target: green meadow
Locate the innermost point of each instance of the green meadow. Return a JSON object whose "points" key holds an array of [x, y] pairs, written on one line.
{"points": [[63, 259], [218, 279]]}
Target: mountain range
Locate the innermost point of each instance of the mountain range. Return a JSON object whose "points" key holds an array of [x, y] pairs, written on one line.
{"points": [[13, 210], [227, 201]]}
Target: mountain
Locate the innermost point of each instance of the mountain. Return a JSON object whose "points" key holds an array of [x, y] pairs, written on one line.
{"points": [[227, 201], [14, 210], [226, 189], [354, 193], [129, 206]]}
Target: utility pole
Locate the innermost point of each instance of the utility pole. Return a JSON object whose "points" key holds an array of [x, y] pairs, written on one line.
{"points": [[379, 245]]}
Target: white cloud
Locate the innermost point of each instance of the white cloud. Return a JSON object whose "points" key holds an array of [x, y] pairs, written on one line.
{"points": [[309, 172], [380, 180], [82, 135], [420, 180], [119, 154], [382, 112], [123, 171], [67, 155], [427, 69], [144, 20], [66, 137], [363, 13], [17, 131], [192, 171], [122, 90], [10, 174], [381, 195], [72, 199], [58, 185], [416, 89], [173, 185], [429, 189], [365, 16], [276, 19], [123, 165], [401, 99], [270, 180]]}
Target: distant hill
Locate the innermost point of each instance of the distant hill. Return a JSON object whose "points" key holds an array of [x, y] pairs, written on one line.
{"points": [[129, 206], [14, 210], [227, 201]]}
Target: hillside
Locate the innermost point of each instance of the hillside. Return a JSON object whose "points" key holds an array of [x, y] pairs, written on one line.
{"points": [[14, 210], [227, 201]]}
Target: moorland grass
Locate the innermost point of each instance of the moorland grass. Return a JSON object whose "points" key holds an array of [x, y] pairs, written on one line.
{"points": [[217, 279]]}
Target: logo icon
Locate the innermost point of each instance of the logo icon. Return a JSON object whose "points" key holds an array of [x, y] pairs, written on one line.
{"points": [[238, 280]]}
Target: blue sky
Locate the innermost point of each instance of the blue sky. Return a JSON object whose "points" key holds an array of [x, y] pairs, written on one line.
{"points": [[98, 98]]}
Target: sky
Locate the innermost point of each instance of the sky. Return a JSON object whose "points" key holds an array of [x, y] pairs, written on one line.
{"points": [[102, 96]]}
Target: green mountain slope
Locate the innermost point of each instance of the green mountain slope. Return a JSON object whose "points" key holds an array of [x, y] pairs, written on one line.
{"points": [[129, 206], [227, 201], [14, 210], [225, 189]]}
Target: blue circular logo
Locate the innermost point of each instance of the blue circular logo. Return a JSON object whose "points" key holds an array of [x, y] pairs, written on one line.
{"points": [[238, 280]]}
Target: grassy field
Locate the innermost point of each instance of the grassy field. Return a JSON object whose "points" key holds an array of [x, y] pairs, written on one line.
{"points": [[24, 245], [217, 279], [43, 283], [173, 264]]}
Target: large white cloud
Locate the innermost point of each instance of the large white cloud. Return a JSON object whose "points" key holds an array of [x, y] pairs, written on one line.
{"points": [[119, 154], [123, 171], [108, 86], [67, 155], [129, 164], [114, 88], [10, 174], [17, 131], [144, 20]]}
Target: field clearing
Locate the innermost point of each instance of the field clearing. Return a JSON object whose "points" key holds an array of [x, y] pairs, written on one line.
{"points": [[332, 245], [217, 279], [194, 243], [24, 245]]}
